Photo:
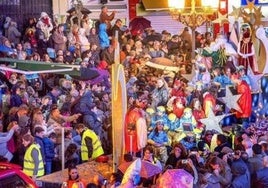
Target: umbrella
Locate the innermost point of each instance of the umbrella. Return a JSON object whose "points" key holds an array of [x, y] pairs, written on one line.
{"points": [[87, 74], [84, 10], [147, 169], [139, 24], [176, 178]]}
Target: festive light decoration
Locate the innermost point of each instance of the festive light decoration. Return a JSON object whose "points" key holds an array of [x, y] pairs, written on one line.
{"points": [[194, 15]]}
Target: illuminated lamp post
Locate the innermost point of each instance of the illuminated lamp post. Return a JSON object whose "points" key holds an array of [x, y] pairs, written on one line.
{"points": [[193, 13]]}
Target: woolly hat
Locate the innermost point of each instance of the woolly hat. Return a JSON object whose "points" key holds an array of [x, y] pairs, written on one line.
{"points": [[43, 14]]}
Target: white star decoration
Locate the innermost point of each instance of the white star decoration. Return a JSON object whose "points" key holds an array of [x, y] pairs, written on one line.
{"points": [[230, 100], [212, 121], [254, 80]]}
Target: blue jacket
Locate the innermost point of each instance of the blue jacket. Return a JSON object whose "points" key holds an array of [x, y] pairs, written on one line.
{"points": [[103, 36], [260, 178], [49, 149], [40, 142], [84, 104], [160, 137], [89, 118], [15, 100], [241, 175]]}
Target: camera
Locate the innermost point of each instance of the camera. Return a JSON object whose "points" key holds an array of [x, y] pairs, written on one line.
{"points": [[184, 161]]}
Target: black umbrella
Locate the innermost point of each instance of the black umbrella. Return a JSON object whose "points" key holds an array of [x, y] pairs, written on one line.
{"points": [[84, 10], [86, 74]]}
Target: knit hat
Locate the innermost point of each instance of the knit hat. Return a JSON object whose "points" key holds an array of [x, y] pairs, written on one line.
{"points": [[43, 14]]}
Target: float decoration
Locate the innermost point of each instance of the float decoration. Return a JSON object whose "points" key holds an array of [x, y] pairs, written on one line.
{"points": [[212, 122], [230, 100], [222, 19], [254, 80], [236, 13]]}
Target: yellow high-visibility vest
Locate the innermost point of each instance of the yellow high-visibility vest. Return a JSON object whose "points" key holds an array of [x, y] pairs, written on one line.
{"points": [[28, 164], [97, 148]]}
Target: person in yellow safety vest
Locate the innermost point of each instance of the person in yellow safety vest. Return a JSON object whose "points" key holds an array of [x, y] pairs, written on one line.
{"points": [[33, 164], [90, 143]]}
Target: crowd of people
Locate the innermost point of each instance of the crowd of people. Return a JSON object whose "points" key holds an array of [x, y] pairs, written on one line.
{"points": [[162, 124]]}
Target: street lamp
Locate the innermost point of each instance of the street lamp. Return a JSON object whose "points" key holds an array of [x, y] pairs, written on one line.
{"points": [[193, 16]]}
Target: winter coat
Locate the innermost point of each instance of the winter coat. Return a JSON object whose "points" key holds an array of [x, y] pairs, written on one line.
{"points": [[103, 36], [13, 34], [84, 104], [241, 175], [160, 96], [39, 141], [49, 149], [260, 178], [83, 107], [4, 138], [255, 163], [59, 41], [15, 101]]}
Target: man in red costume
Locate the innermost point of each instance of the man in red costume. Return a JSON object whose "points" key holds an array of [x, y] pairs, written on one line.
{"points": [[244, 101], [246, 53], [135, 128]]}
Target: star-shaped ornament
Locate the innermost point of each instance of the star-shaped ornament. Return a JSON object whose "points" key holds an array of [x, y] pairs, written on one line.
{"points": [[230, 100], [250, 5], [236, 13], [258, 16], [254, 81], [246, 16], [221, 19], [212, 121]]}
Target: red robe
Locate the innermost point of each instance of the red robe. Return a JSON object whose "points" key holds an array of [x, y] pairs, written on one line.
{"points": [[134, 122], [178, 111], [199, 114], [246, 48], [245, 101]]}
